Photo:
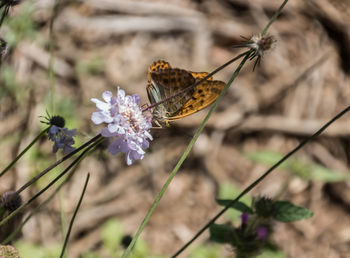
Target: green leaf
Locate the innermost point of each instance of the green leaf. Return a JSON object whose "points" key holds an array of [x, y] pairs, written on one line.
{"points": [[268, 158], [285, 211], [303, 169], [230, 191], [327, 175], [221, 233], [299, 168], [240, 206]]}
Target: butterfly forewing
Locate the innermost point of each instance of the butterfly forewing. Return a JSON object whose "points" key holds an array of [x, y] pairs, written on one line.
{"points": [[200, 75], [153, 92], [204, 95], [169, 82]]}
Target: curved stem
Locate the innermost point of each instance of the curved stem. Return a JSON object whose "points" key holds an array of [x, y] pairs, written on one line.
{"points": [[274, 18]]}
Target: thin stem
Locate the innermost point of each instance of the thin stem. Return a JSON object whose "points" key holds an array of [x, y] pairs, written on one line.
{"points": [[37, 209], [274, 18], [250, 187], [24, 151], [196, 83], [74, 215], [97, 137], [63, 216], [52, 57], [49, 185], [183, 157]]}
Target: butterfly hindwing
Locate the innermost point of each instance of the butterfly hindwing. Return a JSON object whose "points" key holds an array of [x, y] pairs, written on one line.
{"points": [[205, 94]]}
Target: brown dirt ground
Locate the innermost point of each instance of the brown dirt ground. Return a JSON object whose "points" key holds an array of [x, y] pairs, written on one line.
{"points": [[298, 86]]}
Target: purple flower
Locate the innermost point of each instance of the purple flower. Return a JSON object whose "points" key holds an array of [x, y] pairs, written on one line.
{"points": [[124, 119], [62, 138], [244, 218], [262, 232]]}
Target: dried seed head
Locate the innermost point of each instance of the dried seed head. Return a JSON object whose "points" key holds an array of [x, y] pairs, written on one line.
{"points": [[11, 201], [57, 121], [8, 251], [259, 45], [53, 120]]}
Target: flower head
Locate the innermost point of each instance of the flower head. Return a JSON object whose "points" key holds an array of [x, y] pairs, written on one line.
{"points": [[259, 44], [244, 218], [124, 119], [53, 120], [62, 138], [262, 232]]}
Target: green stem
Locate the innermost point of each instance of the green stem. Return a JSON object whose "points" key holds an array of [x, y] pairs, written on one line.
{"points": [[256, 182], [274, 18], [37, 209], [52, 57], [48, 186], [182, 159], [24, 151], [96, 138], [74, 215], [62, 213]]}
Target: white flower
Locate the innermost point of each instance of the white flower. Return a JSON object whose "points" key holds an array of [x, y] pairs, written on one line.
{"points": [[124, 119]]}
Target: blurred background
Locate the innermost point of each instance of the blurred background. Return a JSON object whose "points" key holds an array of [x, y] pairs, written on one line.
{"points": [[101, 44]]}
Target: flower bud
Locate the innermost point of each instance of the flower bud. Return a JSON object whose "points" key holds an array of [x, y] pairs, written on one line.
{"points": [[263, 206], [11, 201]]}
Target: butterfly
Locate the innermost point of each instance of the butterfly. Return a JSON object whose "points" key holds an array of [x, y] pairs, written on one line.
{"points": [[165, 81]]}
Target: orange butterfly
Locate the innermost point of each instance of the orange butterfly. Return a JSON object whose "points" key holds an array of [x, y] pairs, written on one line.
{"points": [[164, 82]]}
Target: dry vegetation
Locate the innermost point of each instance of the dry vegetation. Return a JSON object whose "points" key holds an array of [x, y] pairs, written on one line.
{"points": [[100, 44]]}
